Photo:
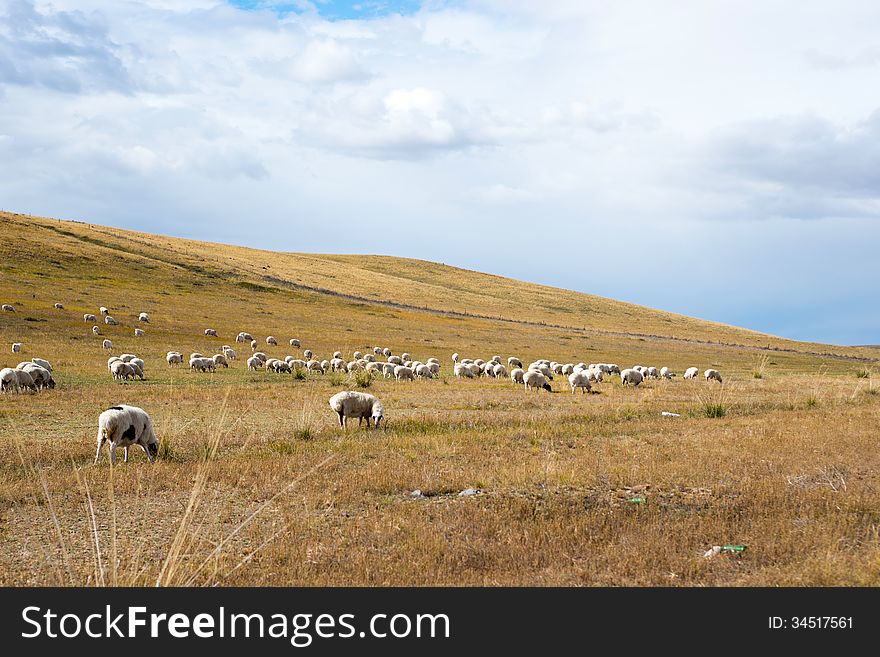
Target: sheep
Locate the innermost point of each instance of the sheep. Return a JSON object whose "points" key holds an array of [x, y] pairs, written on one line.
{"points": [[296, 363], [144, 317], [361, 405], [121, 370], [514, 362], [516, 375], [59, 306], [462, 371], [403, 373], [113, 359], [307, 354], [499, 371], [388, 370], [174, 358], [89, 317], [325, 366], [594, 375], [534, 379], [229, 353], [137, 361], [42, 363], [377, 351], [106, 344], [211, 333], [16, 347], [254, 363], [8, 308], [220, 359], [104, 311], [337, 364], [386, 352], [270, 339], [202, 364], [41, 376], [139, 333], [314, 366], [652, 373], [25, 380], [294, 342], [109, 321], [357, 355], [130, 357], [260, 355], [194, 354], [543, 369], [123, 426], [488, 369], [137, 369], [405, 356], [580, 379], [370, 358], [395, 360], [712, 375], [666, 373], [8, 380], [631, 377], [96, 330], [254, 345], [691, 372], [373, 366], [281, 367]]}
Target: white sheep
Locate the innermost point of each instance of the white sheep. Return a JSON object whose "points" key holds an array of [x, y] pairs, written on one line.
{"points": [[59, 306], [220, 359], [388, 370], [8, 308], [16, 347], [712, 375], [41, 376], [691, 372], [25, 380], [395, 360], [104, 311], [463, 371], [307, 354], [535, 379], [137, 368], [631, 377], [121, 370], [123, 426], [254, 363], [211, 333], [89, 317], [254, 345], [580, 379], [144, 317], [386, 352], [294, 342], [8, 380], [229, 353], [357, 355], [377, 351], [139, 333], [96, 330], [516, 375], [652, 373], [666, 373], [422, 371], [270, 339], [42, 363], [106, 344], [110, 321], [314, 366], [499, 371], [174, 358], [361, 405]]}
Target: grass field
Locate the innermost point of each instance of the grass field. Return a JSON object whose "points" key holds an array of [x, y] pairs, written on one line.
{"points": [[258, 486]]}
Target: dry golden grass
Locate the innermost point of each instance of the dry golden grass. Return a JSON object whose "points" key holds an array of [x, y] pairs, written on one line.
{"points": [[259, 486]]}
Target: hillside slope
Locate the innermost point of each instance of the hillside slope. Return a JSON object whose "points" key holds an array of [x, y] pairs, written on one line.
{"points": [[91, 254]]}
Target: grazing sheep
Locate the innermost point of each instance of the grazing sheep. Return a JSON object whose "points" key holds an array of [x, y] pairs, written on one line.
{"points": [[8, 380], [386, 352], [580, 379], [281, 367], [294, 342], [535, 379], [110, 321], [325, 366], [106, 344], [8, 309], [254, 363], [691, 372], [370, 358], [666, 373], [270, 339], [377, 351], [202, 364], [174, 358], [314, 366], [403, 373], [123, 426], [652, 373], [139, 333], [388, 370], [89, 317], [307, 354], [220, 359], [513, 362], [42, 363], [144, 317], [357, 355], [137, 361], [211, 333], [405, 356], [96, 330], [463, 371], [374, 366], [712, 375], [41, 376], [260, 355], [254, 345], [361, 405], [137, 369], [516, 375], [130, 357], [16, 347], [59, 306], [104, 311], [113, 359], [229, 353], [631, 377], [395, 360], [121, 370], [25, 380], [337, 355], [543, 369]]}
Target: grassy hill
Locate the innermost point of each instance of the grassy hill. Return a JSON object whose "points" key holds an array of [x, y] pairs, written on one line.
{"points": [[258, 486]]}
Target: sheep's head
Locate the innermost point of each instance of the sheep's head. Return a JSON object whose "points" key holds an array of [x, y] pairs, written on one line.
{"points": [[547, 387], [378, 413], [153, 448]]}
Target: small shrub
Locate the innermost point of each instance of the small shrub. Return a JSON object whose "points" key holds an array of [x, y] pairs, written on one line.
{"points": [[714, 409], [299, 374], [335, 379], [363, 378], [757, 374], [166, 449], [812, 401], [863, 373]]}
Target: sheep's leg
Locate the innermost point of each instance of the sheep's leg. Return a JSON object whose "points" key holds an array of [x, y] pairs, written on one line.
{"points": [[112, 453], [125, 454], [147, 452], [98, 451], [341, 421], [368, 422]]}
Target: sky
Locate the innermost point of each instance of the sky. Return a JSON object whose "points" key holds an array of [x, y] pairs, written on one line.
{"points": [[716, 158]]}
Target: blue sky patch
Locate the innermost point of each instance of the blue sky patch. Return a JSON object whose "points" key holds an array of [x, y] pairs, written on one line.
{"points": [[336, 9]]}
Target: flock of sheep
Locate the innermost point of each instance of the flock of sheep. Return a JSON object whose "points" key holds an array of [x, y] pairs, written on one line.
{"points": [[124, 426]]}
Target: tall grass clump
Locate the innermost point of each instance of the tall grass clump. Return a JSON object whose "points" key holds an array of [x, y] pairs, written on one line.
{"points": [[760, 367], [335, 379], [863, 373], [299, 374], [363, 378]]}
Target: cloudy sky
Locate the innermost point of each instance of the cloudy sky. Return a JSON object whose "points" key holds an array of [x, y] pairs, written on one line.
{"points": [[715, 158]]}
